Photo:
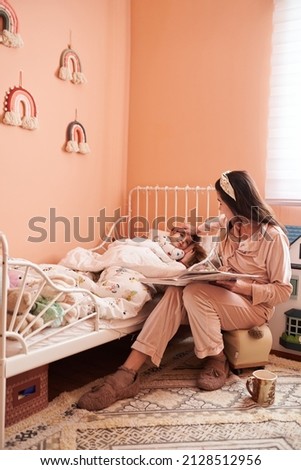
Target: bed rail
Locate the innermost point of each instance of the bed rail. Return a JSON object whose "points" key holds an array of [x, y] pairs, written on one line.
{"points": [[3, 297], [3, 287], [53, 309]]}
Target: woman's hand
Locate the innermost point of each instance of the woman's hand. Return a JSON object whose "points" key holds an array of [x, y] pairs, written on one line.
{"points": [[189, 255], [239, 286]]}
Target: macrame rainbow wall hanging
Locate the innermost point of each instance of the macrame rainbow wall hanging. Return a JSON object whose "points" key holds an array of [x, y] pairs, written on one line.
{"points": [[20, 108], [76, 138], [70, 67], [9, 36]]}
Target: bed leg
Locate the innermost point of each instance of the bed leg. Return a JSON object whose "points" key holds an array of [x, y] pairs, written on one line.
{"points": [[2, 403]]}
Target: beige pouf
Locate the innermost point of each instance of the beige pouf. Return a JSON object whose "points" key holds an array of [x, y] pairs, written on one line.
{"points": [[244, 351]]}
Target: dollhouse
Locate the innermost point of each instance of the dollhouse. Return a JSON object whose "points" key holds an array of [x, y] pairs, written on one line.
{"points": [[286, 322]]}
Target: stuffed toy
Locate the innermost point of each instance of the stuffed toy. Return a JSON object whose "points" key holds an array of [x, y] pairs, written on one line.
{"points": [[68, 307], [166, 245], [54, 312], [15, 277], [255, 332], [74, 306], [22, 321], [66, 302]]}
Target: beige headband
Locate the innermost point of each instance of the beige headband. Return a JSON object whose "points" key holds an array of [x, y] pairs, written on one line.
{"points": [[226, 185]]}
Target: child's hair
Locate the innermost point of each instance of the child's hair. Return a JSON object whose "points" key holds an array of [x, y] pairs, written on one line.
{"points": [[198, 250], [185, 229], [199, 253]]}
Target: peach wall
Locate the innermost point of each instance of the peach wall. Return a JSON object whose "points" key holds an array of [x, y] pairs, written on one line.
{"points": [[199, 85], [36, 173], [199, 91]]}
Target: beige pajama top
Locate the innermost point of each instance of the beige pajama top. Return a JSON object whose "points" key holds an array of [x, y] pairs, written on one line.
{"points": [[265, 254]]}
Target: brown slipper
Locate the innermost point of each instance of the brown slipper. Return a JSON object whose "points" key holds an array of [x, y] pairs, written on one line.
{"points": [[124, 383], [213, 374]]}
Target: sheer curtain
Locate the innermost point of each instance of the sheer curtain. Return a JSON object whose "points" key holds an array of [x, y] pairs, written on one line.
{"points": [[283, 172]]}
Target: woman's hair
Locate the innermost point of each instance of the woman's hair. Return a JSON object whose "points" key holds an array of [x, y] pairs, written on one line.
{"points": [[241, 195]]}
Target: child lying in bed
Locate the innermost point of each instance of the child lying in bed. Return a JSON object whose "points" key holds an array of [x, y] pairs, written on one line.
{"points": [[182, 245], [143, 255]]}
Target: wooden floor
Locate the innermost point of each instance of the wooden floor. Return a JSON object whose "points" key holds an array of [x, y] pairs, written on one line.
{"points": [[78, 370]]}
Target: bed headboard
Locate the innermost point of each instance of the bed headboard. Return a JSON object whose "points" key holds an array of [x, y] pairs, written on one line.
{"points": [[159, 207]]}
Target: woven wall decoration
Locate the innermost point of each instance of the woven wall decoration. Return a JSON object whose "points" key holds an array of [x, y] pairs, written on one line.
{"points": [[9, 36], [76, 138], [20, 108], [70, 67]]}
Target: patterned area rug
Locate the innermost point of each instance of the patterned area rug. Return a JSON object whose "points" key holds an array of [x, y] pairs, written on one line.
{"points": [[170, 412]]}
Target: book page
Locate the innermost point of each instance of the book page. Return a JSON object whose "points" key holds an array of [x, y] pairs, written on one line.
{"points": [[202, 276]]}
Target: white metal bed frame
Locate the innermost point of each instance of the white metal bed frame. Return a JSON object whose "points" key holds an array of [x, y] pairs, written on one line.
{"points": [[144, 202], [161, 203], [176, 192]]}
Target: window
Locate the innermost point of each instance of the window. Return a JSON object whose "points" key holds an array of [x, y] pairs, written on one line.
{"points": [[283, 180], [294, 283]]}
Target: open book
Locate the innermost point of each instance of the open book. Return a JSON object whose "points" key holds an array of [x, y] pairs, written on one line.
{"points": [[188, 277], [205, 270]]}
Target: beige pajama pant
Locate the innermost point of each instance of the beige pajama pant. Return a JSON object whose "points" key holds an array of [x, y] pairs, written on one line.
{"points": [[208, 309]]}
